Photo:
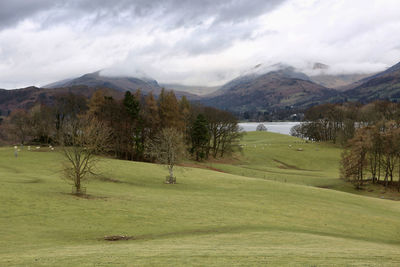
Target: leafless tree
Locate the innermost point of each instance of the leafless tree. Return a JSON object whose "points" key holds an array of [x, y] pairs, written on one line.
{"points": [[168, 148], [261, 128], [82, 140]]}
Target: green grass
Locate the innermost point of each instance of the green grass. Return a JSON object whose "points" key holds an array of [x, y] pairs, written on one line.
{"points": [[289, 159], [208, 219]]}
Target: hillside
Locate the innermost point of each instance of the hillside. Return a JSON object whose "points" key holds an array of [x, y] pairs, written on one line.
{"points": [[384, 85], [192, 89], [209, 218], [322, 74], [86, 85], [281, 88], [26, 98], [339, 82], [118, 83]]}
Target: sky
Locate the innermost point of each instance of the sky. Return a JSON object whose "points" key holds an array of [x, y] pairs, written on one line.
{"points": [[202, 42]]}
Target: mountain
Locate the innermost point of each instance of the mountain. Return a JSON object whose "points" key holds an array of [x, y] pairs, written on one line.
{"points": [[118, 83], [283, 87], [192, 89], [321, 74], [381, 86], [85, 85], [25, 98], [339, 82]]}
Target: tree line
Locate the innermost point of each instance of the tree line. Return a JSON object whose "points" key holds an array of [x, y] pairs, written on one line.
{"points": [[370, 135], [373, 154], [338, 123], [133, 122]]}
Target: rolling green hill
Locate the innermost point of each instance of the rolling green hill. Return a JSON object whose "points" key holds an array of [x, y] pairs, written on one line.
{"points": [[209, 218]]}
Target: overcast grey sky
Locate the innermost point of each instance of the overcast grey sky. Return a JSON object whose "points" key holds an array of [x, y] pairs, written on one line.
{"points": [[191, 42]]}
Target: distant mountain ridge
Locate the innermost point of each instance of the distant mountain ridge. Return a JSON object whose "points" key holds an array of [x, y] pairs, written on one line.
{"points": [[192, 89], [95, 79], [284, 87], [25, 98], [262, 88], [119, 83], [381, 86]]}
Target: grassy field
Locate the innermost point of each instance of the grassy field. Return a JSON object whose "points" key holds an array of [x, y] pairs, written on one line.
{"points": [[209, 218], [288, 159]]}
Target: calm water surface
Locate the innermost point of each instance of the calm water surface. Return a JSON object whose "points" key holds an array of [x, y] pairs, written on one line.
{"points": [[275, 127]]}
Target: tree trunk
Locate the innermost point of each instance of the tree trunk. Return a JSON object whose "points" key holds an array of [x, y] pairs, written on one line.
{"points": [[171, 179]]}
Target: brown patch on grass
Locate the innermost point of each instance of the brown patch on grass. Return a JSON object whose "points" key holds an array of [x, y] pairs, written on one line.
{"points": [[169, 234]]}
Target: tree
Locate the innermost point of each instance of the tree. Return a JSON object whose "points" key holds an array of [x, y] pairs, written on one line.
{"points": [[82, 140], [223, 130], [133, 126], [67, 108], [170, 114], [261, 128], [168, 147], [18, 125], [354, 160], [42, 122], [200, 136]]}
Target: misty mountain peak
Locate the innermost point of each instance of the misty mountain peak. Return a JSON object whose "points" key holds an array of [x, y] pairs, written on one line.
{"points": [[320, 66]]}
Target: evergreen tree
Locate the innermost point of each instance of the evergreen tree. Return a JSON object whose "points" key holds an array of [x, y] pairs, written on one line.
{"points": [[131, 105], [200, 137]]}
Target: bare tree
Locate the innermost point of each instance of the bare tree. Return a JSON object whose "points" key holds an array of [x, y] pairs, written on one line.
{"points": [[82, 140], [18, 126], [168, 148], [261, 128]]}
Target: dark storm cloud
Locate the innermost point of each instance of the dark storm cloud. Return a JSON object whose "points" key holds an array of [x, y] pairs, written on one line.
{"points": [[13, 11], [194, 42], [180, 12]]}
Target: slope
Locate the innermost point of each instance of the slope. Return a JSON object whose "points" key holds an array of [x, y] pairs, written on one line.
{"points": [[384, 85], [118, 83], [284, 88], [26, 98], [208, 218]]}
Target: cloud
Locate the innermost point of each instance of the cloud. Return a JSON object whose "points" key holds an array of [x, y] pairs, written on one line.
{"points": [[192, 42]]}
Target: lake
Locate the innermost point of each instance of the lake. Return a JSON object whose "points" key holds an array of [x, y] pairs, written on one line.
{"points": [[275, 127]]}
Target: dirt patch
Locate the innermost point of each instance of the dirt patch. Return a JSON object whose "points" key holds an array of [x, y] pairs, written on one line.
{"points": [[164, 235], [200, 166], [118, 237]]}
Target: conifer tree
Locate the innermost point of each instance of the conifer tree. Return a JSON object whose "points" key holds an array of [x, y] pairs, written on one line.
{"points": [[200, 137]]}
